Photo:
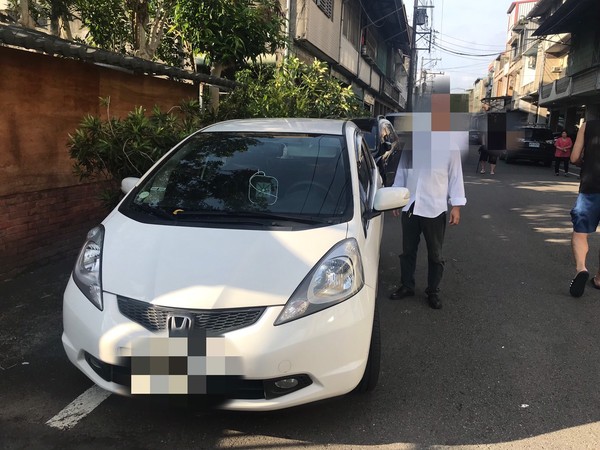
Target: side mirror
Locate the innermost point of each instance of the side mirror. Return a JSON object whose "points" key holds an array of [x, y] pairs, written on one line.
{"points": [[388, 198], [127, 184]]}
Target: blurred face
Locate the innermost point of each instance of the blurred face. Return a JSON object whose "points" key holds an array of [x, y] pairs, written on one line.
{"points": [[564, 134], [440, 112]]}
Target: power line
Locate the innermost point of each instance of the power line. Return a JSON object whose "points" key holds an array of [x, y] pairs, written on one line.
{"points": [[470, 55], [491, 48], [467, 42]]}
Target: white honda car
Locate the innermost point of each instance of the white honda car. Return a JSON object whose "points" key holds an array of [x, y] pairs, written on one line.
{"points": [[242, 266]]}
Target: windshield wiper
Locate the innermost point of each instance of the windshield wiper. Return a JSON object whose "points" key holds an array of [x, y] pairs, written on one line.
{"points": [[154, 211], [228, 216]]}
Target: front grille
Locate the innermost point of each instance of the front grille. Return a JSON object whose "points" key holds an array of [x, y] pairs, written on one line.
{"points": [[216, 321]]}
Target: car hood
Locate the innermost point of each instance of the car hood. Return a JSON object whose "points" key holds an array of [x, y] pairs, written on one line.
{"points": [[203, 268]]}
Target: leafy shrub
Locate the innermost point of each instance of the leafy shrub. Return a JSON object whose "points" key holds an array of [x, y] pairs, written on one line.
{"points": [[116, 148]]}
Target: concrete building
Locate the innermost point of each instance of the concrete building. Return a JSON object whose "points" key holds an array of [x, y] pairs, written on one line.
{"points": [[482, 88], [365, 44], [517, 72], [570, 28]]}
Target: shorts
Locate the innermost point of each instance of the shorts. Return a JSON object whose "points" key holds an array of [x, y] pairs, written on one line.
{"points": [[486, 156], [585, 215]]}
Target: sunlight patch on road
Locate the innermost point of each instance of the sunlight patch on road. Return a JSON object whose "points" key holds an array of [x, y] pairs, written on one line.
{"points": [[78, 408], [566, 230], [550, 220], [539, 186]]}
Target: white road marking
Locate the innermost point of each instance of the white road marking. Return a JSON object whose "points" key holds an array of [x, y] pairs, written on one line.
{"points": [[79, 408]]}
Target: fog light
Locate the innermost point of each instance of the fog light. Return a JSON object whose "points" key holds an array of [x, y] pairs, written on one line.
{"points": [[287, 383], [282, 386]]}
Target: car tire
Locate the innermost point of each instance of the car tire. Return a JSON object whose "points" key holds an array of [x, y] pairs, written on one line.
{"points": [[371, 376]]}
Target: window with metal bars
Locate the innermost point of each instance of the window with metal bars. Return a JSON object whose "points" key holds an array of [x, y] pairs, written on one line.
{"points": [[326, 6]]}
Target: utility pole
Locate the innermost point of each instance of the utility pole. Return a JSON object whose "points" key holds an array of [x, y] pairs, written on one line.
{"points": [[541, 83], [427, 64], [421, 40]]}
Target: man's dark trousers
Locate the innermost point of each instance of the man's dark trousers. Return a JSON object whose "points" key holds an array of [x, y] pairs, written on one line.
{"points": [[433, 230]]}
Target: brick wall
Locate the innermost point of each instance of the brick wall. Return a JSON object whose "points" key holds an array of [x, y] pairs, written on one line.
{"points": [[45, 211], [39, 227]]}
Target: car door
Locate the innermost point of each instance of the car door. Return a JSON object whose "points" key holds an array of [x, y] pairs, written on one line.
{"points": [[372, 227], [391, 156]]}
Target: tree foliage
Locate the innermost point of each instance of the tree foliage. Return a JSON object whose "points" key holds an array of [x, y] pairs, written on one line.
{"points": [[227, 31], [230, 31], [31, 13], [292, 89], [136, 27]]}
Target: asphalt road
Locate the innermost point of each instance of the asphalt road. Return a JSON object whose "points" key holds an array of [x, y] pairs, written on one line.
{"points": [[511, 361]]}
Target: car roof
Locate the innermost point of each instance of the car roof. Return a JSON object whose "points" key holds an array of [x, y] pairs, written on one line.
{"points": [[280, 125], [365, 123]]}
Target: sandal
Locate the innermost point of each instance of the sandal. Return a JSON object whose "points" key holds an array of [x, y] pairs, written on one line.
{"points": [[578, 283]]}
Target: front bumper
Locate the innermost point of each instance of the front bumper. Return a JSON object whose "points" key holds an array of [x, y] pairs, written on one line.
{"points": [[329, 347]]}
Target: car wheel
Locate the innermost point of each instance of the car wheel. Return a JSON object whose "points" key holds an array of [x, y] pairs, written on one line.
{"points": [[371, 375]]}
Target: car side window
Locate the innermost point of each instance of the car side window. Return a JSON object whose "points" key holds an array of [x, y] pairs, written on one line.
{"points": [[365, 173]]}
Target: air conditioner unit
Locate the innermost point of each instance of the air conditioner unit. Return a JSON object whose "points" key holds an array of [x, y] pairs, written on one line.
{"points": [[556, 69]]}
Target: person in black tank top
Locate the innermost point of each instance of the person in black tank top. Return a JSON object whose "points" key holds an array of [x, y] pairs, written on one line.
{"points": [[585, 215]]}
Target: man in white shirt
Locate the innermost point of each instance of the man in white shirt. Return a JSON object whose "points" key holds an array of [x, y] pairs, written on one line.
{"points": [[434, 178]]}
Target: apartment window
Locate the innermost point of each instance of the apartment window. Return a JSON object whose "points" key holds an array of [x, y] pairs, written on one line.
{"points": [[326, 6], [351, 23]]}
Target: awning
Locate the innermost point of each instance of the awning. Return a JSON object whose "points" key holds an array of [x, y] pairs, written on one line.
{"points": [[561, 46], [532, 98], [570, 16], [391, 14], [540, 8]]}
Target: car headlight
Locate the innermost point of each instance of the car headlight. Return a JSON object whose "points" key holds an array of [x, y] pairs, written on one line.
{"points": [[337, 277], [86, 273]]}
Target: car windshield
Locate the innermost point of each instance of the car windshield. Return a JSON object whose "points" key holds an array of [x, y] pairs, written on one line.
{"points": [[538, 134], [250, 177]]}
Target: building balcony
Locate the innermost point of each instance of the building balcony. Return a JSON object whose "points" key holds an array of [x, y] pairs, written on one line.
{"points": [[557, 91], [579, 88], [529, 88], [392, 92], [520, 25], [368, 53]]}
